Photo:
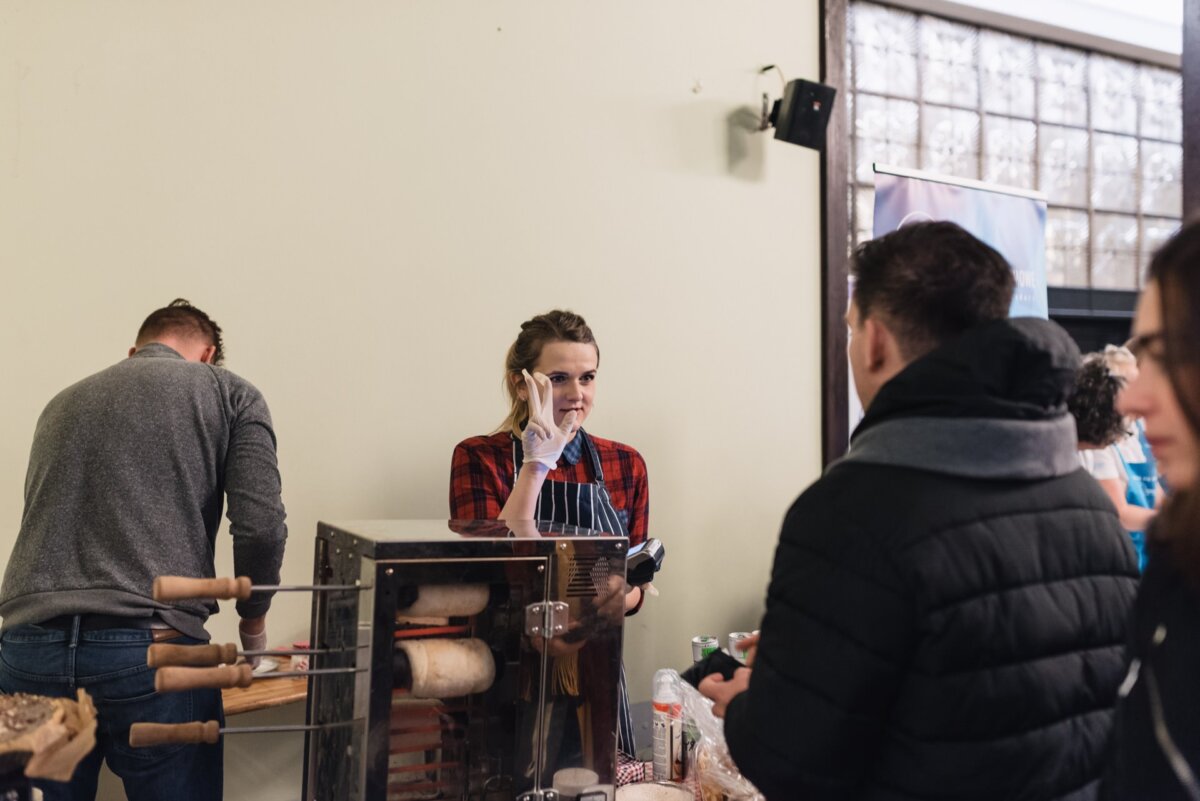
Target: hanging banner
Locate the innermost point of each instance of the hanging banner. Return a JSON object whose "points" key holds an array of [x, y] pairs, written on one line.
{"points": [[1013, 221]]}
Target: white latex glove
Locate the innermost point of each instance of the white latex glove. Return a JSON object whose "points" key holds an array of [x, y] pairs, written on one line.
{"points": [[253, 642], [542, 440]]}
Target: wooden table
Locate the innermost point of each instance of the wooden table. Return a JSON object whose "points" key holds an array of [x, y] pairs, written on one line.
{"points": [[264, 694]]}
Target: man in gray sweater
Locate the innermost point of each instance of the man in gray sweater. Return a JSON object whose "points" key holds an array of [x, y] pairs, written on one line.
{"points": [[128, 475]]}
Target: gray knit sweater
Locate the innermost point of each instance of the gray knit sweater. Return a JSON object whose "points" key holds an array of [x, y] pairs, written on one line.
{"points": [[127, 479]]}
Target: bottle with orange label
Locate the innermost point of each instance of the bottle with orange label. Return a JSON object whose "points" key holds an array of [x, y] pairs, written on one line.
{"points": [[667, 702]]}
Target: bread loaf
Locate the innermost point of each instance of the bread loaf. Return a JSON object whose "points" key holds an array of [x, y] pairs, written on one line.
{"points": [[47, 737]]}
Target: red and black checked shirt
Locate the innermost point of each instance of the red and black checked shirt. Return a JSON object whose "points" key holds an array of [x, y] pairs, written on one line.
{"points": [[481, 477]]}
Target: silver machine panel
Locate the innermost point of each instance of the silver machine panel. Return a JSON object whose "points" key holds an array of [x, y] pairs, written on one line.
{"points": [[488, 661]]}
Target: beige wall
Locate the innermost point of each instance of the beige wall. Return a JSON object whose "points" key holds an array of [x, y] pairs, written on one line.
{"points": [[371, 196]]}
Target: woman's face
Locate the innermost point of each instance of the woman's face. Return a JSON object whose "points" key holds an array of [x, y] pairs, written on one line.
{"points": [[571, 368], [1151, 397]]}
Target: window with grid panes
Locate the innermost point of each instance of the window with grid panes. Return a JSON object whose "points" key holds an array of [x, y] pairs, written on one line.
{"points": [[1098, 135]]}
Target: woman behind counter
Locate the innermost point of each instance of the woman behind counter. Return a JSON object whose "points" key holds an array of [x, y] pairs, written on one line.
{"points": [[1157, 729], [542, 465]]}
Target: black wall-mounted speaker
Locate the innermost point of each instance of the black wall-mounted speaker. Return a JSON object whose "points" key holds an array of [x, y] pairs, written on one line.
{"points": [[803, 114]]}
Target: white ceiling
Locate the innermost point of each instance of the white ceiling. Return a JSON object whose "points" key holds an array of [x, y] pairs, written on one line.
{"points": [[1151, 24]]}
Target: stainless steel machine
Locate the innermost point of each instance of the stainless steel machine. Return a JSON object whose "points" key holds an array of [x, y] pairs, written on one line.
{"points": [[464, 660]]}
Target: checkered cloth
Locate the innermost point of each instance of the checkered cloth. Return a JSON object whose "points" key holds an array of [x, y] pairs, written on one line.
{"points": [[631, 771]]}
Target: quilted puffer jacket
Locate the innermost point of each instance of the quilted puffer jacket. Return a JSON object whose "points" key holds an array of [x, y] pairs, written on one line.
{"points": [[949, 602]]}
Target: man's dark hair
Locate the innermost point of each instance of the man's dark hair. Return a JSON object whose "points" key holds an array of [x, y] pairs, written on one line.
{"points": [[929, 282], [1094, 403], [181, 318]]}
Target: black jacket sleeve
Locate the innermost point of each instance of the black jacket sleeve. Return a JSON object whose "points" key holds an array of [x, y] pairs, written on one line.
{"points": [[835, 639]]}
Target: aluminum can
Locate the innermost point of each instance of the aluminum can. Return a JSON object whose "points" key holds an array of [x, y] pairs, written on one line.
{"points": [[736, 649], [703, 645]]}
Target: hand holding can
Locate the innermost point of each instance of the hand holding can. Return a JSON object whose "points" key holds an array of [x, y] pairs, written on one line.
{"points": [[742, 646], [749, 645], [703, 645]]}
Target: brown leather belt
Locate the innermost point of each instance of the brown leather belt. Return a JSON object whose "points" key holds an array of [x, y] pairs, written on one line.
{"points": [[99, 622]]}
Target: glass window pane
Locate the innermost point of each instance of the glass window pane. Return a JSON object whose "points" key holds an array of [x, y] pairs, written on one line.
{"points": [[948, 70], [1115, 252], [1062, 75], [885, 50], [1066, 247], [1098, 134], [1113, 94], [1010, 150], [848, 55], [886, 131], [853, 243], [1114, 172], [864, 213], [852, 240], [1008, 74], [1155, 233], [950, 141], [1162, 176], [1063, 164], [1162, 104], [847, 108]]}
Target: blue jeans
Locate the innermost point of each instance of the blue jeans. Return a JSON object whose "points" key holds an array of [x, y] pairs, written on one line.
{"points": [[111, 665]]}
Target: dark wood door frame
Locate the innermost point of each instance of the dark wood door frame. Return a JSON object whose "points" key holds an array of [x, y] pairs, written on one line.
{"points": [[1191, 108], [835, 237]]}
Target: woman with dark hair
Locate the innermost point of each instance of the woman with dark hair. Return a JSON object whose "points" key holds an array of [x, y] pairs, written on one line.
{"points": [[1099, 427], [1157, 732], [1093, 404], [542, 465]]}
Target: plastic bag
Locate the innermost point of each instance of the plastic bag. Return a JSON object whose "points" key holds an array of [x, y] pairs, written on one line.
{"points": [[710, 771]]}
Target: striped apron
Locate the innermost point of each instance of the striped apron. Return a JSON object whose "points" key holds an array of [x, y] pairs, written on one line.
{"points": [[587, 506]]}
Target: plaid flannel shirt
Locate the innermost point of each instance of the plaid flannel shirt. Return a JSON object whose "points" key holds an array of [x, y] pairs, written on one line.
{"points": [[482, 476]]}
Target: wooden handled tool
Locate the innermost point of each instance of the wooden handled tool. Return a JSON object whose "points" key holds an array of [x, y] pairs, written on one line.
{"points": [[177, 679], [143, 735], [167, 655], [182, 588], [226, 677]]}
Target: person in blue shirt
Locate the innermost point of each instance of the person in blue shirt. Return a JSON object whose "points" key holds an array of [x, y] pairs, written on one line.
{"points": [[1140, 491]]}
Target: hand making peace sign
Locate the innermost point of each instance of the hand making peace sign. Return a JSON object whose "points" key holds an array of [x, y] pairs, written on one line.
{"points": [[542, 440]]}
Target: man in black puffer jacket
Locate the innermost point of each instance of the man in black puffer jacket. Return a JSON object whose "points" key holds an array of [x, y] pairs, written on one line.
{"points": [[948, 605]]}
